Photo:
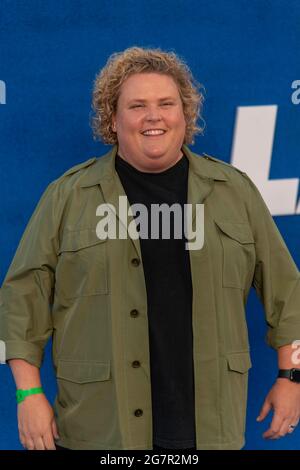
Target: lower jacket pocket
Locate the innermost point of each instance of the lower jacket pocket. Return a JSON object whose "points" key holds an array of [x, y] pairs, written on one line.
{"points": [[239, 361], [85, 405], [83, 371], [237, 365]]}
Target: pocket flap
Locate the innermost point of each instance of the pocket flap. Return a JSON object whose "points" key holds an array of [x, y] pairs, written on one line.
{"points": [[78, 239], [83, 371], [239, 362], [239, 231]]}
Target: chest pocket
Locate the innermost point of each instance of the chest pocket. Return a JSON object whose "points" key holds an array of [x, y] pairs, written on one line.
{"points": [[238, 247], [82, 265]]}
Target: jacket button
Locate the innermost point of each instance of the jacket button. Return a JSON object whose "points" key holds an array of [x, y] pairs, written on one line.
{"points": [[138, 412], [136, 364], [134, 313], [135, 262]]}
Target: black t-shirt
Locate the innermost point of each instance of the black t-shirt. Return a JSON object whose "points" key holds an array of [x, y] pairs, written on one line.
{"points": [[169, 301]]}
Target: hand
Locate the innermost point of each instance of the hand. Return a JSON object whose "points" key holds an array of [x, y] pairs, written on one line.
{"points": [[284, 399], [36, 423]]}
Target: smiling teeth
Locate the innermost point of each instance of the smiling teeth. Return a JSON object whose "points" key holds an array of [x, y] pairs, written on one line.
{"points": [[154, 132]]}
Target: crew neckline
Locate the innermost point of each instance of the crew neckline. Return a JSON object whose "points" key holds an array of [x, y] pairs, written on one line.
{"points": [[183, 159]]}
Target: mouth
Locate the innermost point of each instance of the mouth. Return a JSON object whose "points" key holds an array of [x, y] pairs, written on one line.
{"points": [[153, 132]]}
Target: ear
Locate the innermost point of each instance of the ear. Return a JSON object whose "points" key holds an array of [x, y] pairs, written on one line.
{"points": [[113, 125]]}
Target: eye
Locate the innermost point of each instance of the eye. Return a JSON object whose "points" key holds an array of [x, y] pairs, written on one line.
{"points": [[167, 104], [136, 106]]}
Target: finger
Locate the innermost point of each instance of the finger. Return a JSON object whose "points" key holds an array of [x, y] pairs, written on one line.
{"points": [[39, 443], [29, 444], [54, 430], [264, 411], [49, 441], [22, 439], [22, 443], [274, 426], [293, 425], [283, 429]]}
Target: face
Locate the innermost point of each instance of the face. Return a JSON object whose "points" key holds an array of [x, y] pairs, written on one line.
{"points": [[149, 122]]}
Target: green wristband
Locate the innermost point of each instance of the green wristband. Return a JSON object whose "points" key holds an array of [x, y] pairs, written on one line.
{"points": [[22, 394]]}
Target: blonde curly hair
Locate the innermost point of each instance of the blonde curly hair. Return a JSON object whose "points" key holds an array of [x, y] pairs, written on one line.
{"points": [[120, 66]]}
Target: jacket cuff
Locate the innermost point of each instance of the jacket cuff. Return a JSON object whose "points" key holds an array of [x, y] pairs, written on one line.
{"points": [[283, 335], [23, 350]]}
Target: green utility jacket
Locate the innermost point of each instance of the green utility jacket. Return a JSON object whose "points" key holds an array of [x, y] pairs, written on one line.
{"points": [[89, 295]]}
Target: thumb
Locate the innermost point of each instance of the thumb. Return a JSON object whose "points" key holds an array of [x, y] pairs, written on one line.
{"points": [[264, 410], [54, 430]]}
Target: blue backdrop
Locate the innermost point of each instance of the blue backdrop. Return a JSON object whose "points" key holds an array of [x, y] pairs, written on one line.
{"points": [[246, 54]]}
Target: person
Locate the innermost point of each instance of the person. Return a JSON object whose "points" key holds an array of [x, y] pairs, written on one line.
{"points": [[149, 339]]}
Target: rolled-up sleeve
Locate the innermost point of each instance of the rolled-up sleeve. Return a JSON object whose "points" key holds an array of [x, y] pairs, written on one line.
{"points": [[27, 291], [276, 278]]}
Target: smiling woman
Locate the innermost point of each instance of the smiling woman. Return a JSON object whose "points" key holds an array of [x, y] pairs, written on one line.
{"points": [[148, 102], [150, 343], [151, 134]]}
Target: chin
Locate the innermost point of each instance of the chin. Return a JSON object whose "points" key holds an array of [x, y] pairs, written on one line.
{"points": [[155, 154], [155, 157]]}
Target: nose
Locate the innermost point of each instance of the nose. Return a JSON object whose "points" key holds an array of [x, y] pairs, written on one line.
{"points": [[153, 114]]}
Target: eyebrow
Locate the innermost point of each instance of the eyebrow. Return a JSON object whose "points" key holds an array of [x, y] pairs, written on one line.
{"points": [[141, 100]]}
